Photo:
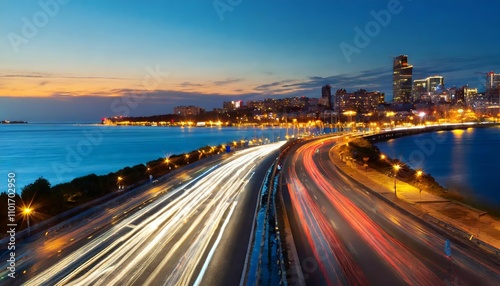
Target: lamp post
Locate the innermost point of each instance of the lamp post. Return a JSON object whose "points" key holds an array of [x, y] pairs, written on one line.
{"points": [[460, 111], [27, 212], [419, 175], [350, 113], [119, 182], [396, 169], [421, 115], [478, 222]]}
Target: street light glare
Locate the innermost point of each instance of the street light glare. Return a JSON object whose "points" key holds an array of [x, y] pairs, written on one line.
{"points": [[27, 211], [397, 167]]}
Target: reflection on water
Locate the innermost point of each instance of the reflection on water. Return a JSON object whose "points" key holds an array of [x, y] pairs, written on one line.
{"points": [[463, 160]]}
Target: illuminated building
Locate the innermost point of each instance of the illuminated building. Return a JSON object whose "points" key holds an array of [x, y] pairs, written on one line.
{"points": [[402, 79], [188, 110], [423, 89]]}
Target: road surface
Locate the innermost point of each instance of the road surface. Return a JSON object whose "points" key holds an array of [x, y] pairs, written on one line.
{"points": [[181, 232], [345, 234]]}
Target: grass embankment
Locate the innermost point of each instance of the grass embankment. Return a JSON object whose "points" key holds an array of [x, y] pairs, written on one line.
{"points": [[369, 156]]}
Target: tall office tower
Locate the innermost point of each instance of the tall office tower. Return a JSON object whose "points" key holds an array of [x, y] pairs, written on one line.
{"points": [[326, 96], [493, 87], [339, 100], [419, 89], [492, 81], [402, 79]]}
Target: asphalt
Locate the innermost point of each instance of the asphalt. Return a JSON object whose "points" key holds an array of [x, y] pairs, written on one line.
{"points": [[387, 244], [226, 267]]}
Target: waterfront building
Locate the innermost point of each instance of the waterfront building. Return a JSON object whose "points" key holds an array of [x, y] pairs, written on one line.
{"points": [[426, 89], [492, 81], [232, 105], [493, 87], [188, 110], [402, 79], [464, 95], [361, 101]]}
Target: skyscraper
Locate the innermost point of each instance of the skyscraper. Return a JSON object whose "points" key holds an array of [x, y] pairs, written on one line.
{"points": [[326, 97], [492, 81], [402, 79], [493, 87]]}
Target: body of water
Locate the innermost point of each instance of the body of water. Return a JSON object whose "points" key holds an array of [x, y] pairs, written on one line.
{"points": [[467, 161], [62, 152]]}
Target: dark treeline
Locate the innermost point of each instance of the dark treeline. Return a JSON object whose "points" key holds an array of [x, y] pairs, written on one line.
{"points": [[47, 201]]}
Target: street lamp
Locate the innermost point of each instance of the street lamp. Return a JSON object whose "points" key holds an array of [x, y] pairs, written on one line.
{"points": [[119, 182], [27, 212], [187, 158], [350, 113], [396, 169], [421, 115], [382, 157], [460, 111], [419, 175]]}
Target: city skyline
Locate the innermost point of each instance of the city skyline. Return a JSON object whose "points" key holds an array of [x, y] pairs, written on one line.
{"points": [[88, 55]]}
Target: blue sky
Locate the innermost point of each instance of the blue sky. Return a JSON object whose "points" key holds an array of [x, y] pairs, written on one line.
{"points": [[85, 55]]}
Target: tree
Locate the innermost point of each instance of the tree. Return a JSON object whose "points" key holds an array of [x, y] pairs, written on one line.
{"points": [[39, 189]]}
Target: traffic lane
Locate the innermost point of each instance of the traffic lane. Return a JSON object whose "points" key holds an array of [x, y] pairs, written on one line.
{"points": [[308, 261], [395, 255], [360, 263], [206, 191], [44, 249], [109, 238], [48, 250], [425, 242], [106, 239], [228, 261], [428, 243], [305, 227]]}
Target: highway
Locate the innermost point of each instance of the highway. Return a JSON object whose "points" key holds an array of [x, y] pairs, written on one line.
{"points": [[193, 229], [346, 235]]}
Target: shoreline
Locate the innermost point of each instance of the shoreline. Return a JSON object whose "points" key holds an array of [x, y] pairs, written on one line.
{"points": [[465, 221], [469, 195]]}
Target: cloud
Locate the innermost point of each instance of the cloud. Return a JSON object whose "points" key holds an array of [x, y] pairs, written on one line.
{"points": [[228, 81], [42, 83], [46, 75], [25, 75], [367, 79], [270, 86], [190, 84]]}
